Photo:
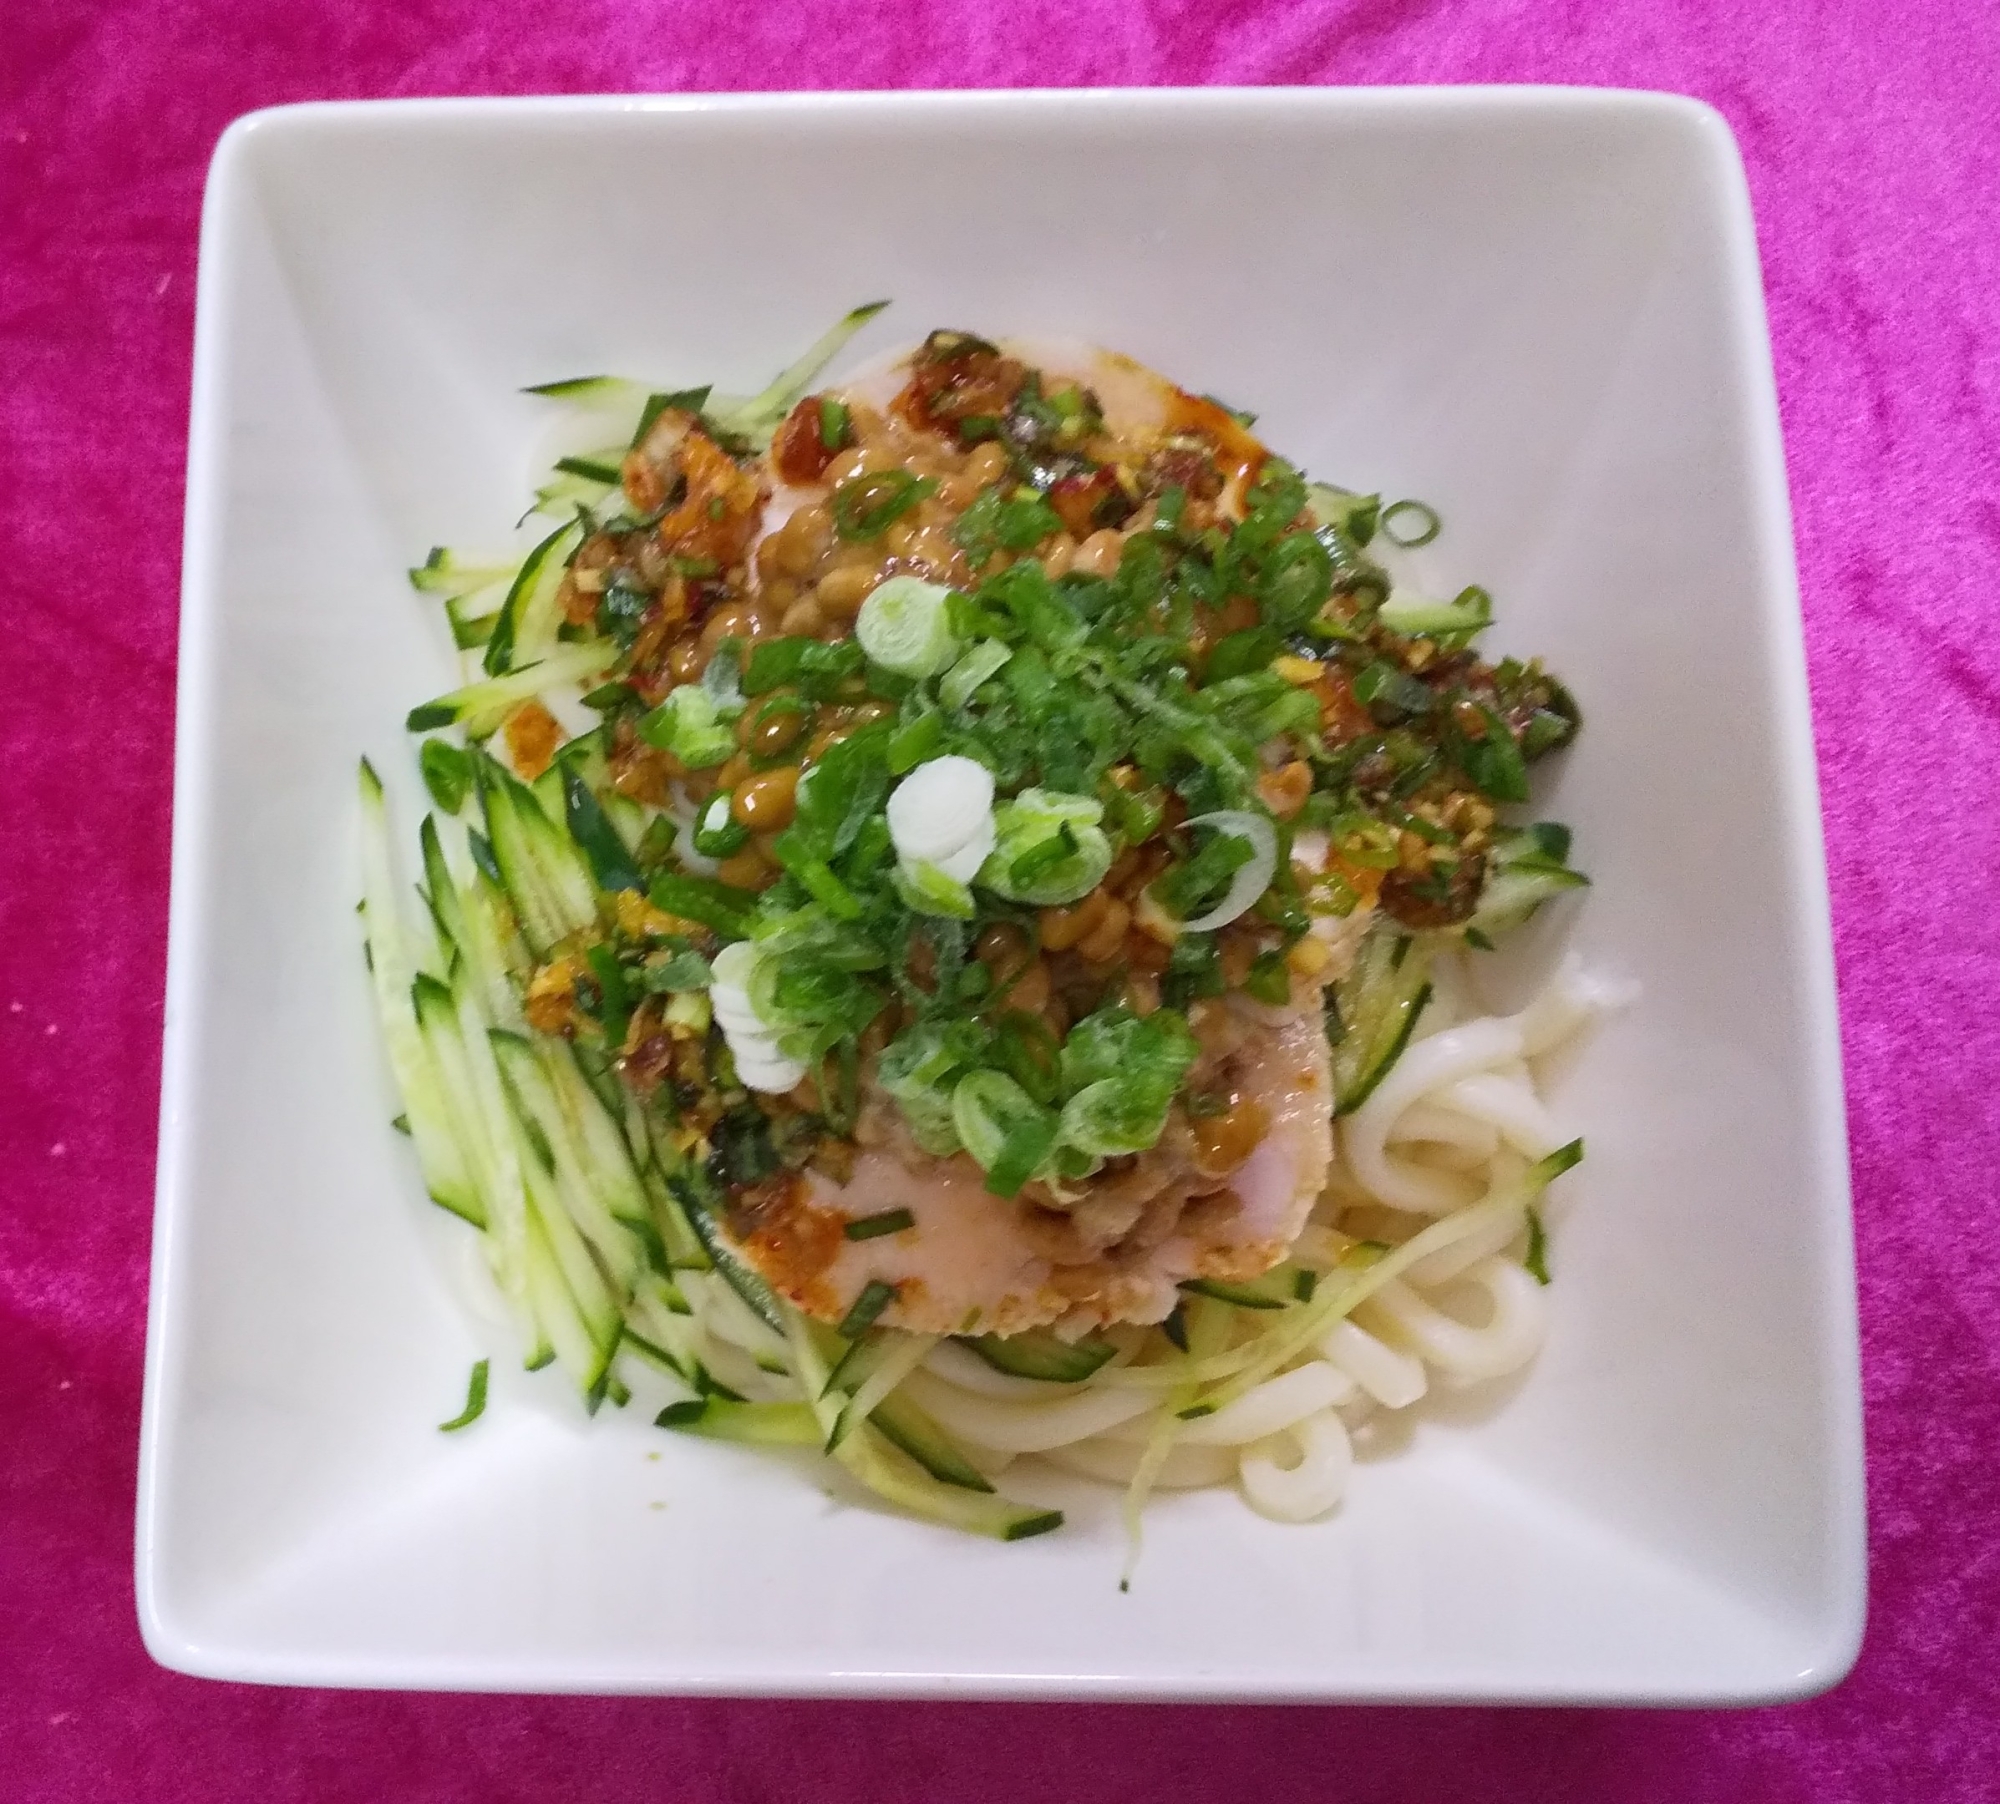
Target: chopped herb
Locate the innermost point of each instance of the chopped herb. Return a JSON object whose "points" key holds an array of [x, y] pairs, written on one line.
{"points": [[867, 506], [610, 861], [743, 1153], [1241, 653], [702, 899], [481, 849], [1493, 761], [475, 1402], [1428, 525], [1391, 692], [1564, 1158], [447, 773], [875, 1297], [871, 1227], [674, 968], [1270, 980], [1537, 1260], [815, 668], [614, 1012]]}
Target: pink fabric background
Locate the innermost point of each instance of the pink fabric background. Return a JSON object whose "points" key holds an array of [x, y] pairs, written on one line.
{"points": [[1869, 128]]}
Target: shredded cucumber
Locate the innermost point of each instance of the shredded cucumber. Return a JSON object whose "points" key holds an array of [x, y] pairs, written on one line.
{"points": [[480, 707], [447, 1175], [1373, 1010]]}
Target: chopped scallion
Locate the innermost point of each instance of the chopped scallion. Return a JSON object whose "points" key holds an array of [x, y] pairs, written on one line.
{"points": [[872, 1227], [1537, 1259], [1427, 528], [867, 506], [475, 1401], [875, 1297]]}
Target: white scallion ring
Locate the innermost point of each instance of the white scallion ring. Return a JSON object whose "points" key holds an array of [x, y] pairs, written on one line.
{"points": [[1251, 880]]}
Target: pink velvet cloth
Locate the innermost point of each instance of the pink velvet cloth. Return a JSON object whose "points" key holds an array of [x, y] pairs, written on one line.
{"points": [[1870, 131]]}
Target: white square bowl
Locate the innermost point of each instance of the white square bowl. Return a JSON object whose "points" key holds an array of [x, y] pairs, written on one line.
{"points": [[1538, 309]]}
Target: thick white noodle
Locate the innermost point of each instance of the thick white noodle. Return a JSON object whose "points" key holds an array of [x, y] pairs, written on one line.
{"points": [[1447, 1262], [1504, 1102], [1568, 1003], [1510, 1337], [1115, 1462], [1392, 1377], [1426, 1065], [1456, 1135], [1025, 1427], [1267, 1409], [1452, 999], [1310, 1482]]}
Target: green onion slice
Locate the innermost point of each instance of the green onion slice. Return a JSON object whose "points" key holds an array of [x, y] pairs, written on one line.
{"points": [[872, 1227], [904, 626], [1252, 879], [1428, 528], [979, 664], [875, 1297], [1003, 1128]]}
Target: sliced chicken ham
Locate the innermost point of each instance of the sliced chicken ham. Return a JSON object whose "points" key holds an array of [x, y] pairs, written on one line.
{"points": [[972, 1262]]}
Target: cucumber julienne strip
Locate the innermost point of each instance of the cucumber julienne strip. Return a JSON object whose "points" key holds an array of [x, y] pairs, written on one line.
{"points": [[1208, 1330], [893, 1475], [902, 1359], [585, 1308], [757, 419], [758, 1296], [480, 707], [538, 1253], [1042, 1355], [446, 573], [758, 1424], [525, 629], [546, 875], [577, 1180], [470, 629], [1333, 1301], [441, 1158]]}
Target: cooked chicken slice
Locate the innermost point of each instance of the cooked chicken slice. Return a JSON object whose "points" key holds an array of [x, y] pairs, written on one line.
{"points": [[974, 1262]]}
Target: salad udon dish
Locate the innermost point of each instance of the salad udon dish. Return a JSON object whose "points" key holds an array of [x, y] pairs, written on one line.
{"points": [[947, 935]]}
